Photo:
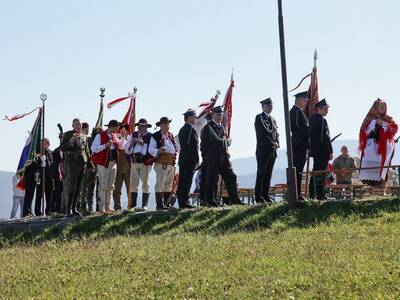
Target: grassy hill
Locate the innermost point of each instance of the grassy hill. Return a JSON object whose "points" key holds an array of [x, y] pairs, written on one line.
{"points": [[323, 250]]}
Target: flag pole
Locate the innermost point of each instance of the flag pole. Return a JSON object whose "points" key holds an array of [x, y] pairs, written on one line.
{"points": [[43, 97], [291, 170], [309, 114]]}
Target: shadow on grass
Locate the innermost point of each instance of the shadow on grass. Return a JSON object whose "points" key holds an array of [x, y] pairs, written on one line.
{"points": [[211, 221]]}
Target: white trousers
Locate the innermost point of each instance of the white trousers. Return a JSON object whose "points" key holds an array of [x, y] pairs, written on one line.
{"points": [[106, 184], [140, 172], [164, 177]]}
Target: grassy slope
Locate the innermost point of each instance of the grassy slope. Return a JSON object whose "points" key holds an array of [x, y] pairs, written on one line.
{"points": [[320, 251]]}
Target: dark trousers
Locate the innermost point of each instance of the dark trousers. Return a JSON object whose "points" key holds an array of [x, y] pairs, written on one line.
{"points": [[299, 161], [318, 182], [265, 165], [120, 179], [30, 186], [57, 196], [88, 183], [212, 170], [186, 173], [48, 192], [72, 183]]}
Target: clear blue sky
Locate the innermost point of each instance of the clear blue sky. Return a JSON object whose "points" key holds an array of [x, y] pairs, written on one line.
{"points": [[179, 52]]}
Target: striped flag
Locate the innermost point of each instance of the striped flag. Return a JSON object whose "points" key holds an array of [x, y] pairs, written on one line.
{"points": [[130, 116], [17, 117], [31, 148], [228, 107], [205, 112], [116, 101]]}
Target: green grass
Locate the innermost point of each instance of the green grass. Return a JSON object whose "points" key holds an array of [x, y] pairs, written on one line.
{"points": [[328, 250]]}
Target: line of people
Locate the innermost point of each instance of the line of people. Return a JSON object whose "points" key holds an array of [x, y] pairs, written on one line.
{"points": [[84, 166], [99, 164]]}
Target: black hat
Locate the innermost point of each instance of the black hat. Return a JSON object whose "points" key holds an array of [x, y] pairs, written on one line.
{"points": [[302, 95], [190, 112], [85, 125], [143, 122], [322, 103], [266, 101], [218, 110], [113, 123], [163, 120]]}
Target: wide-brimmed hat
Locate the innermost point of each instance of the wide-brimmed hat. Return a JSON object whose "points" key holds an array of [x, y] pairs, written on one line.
{"points": [[143, 122], [115, 123], [190, 112], [163, 120]]}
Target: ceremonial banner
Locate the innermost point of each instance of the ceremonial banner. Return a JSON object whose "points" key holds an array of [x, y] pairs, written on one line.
{"points": [[228, 108]]}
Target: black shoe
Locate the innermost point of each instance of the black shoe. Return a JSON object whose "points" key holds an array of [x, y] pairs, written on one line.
{"points": [[167, 199], [260, 200], [145, 200], [238, 202], [268, 199], [159, 202], [212, 203], [300, 198], [76, 213], [134, 199]]}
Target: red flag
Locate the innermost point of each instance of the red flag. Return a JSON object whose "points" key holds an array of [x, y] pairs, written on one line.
{"points": [[228, 107], [16, 117], [130, 116], [312, 94], [116, 101]]}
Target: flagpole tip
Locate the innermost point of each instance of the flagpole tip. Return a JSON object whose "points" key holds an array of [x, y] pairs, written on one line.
{"points": [[43, 97]]}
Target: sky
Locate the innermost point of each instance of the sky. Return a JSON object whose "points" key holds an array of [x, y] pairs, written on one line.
{"points": [[178, 53]]}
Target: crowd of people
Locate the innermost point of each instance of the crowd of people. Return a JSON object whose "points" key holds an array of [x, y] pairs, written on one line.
{"points": [[86, 167]]}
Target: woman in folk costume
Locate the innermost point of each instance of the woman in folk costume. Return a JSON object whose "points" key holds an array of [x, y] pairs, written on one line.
{"points": [[376, 144]]}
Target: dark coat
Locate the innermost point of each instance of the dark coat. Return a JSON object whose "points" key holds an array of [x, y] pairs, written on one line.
{"points": [[299, 127], [75, 154], [320, 138], [214, 145], [189, 144], [266, 134]]}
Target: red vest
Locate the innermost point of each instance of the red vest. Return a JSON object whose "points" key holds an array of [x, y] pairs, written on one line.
{"points": [[101, 158]]}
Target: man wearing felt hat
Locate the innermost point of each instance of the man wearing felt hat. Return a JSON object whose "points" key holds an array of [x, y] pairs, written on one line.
{"points": [[137, 148], [267, 144], [163, 149], [300, 141], [320, 150], [214, 151], [105, 156], [188, 157]]}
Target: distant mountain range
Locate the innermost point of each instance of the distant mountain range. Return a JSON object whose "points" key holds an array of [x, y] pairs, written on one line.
{"points": [[245, 169]]}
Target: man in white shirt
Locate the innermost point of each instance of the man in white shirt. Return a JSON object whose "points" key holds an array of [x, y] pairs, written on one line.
{"points": [[137, 146], [163, 148], [105, 156]]}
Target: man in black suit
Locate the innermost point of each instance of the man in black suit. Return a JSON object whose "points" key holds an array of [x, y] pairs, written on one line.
{"points": [[321, 149], [267, 144], [300, 143], [188, 157], [214, 150]]}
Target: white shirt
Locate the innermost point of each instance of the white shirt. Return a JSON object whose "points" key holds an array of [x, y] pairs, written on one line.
{"points": [[169, 146], [98, 147], [136, 149]]}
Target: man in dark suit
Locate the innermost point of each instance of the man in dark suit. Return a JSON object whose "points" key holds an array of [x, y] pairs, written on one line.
{"points": [[300, 143], [267, 144], [214, 151], [188, 157], [321, 149]]}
